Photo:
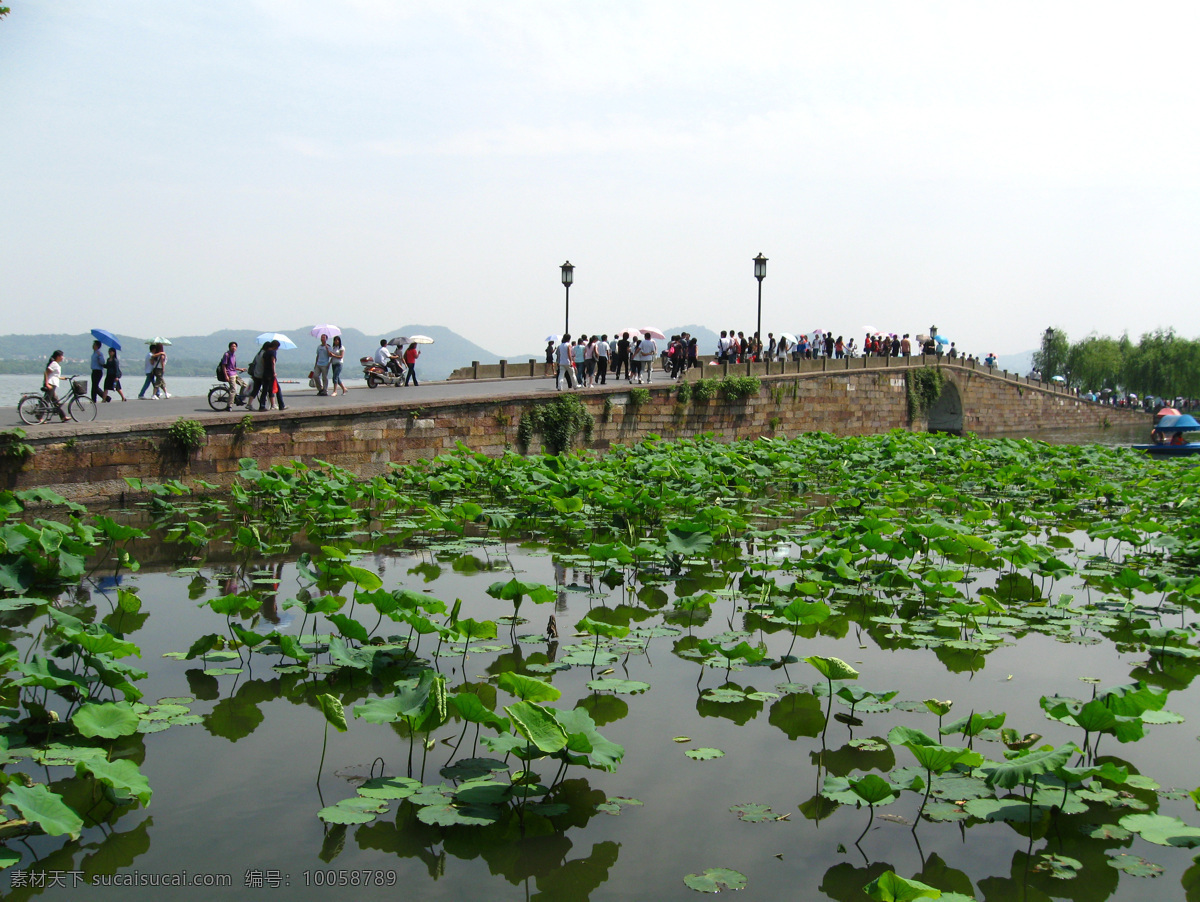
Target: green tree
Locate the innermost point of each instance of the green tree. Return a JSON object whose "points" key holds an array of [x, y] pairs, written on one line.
{"points": [[1097, 362], [1163, 364], [1051, 360]]}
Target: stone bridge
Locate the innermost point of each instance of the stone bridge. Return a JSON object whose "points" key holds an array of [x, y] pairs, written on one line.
{"points": [[860, 396]]}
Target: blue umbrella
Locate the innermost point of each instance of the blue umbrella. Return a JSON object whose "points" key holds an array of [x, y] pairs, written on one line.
{"points": [[285, 343], [103, 335], [941, 340]]}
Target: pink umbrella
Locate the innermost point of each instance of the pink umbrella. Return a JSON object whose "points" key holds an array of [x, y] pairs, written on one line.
{"points": [[654, 333]]}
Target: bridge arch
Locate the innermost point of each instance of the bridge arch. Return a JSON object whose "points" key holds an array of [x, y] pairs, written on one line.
{"points": [[946, 413]]}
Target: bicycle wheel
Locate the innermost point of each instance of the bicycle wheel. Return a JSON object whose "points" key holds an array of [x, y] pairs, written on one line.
{"points": [[82, 409], [218, 397], [33, 410]]}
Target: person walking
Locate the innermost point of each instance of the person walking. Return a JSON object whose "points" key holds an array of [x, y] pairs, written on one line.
{"points": [[602, 353], [622, 357], [149, 365], [321, 366], [97, 370], [270, 385], [565, 364], [337, 354], [159, 371], [112, 376], [410, 362], [647, 352]]}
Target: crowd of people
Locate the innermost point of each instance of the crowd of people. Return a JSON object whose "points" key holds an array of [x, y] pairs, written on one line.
{"points": [[589, 360]]}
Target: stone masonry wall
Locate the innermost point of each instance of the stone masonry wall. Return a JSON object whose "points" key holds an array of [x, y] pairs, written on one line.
{"points": [[366, 440]]}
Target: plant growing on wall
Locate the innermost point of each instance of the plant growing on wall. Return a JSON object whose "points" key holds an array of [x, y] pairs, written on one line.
{"points": [[557, 423], [186, 435], [735, 388], [924, 386], [638, 397]]}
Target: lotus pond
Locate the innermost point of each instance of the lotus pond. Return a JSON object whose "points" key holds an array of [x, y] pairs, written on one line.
{"points": [[887, 667]]}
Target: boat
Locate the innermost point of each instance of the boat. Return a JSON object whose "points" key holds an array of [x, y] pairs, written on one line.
{"points": [[1168, 435]]}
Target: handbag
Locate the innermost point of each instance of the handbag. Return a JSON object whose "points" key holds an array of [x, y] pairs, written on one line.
{"points": [[312, 379]]}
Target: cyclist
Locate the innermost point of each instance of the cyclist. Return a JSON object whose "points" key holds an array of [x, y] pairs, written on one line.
{"points": [[227, 371], [50, 382]]}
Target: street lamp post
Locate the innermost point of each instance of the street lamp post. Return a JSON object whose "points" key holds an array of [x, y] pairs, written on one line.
{"points": [[760, 273], [568, 276]]}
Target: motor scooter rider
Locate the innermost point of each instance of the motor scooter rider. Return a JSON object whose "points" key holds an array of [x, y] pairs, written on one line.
{"points": [[386, 359]]}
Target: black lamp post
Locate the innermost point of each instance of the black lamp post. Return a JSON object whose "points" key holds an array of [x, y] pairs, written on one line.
{"points": [[760, 273], [568, 276]]}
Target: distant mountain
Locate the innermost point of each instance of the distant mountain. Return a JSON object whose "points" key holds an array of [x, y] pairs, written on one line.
{"points": [[1020, 363], [197, 355]]}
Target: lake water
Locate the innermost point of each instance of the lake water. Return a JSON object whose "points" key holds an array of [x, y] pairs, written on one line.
{"points": [[236, 793]]}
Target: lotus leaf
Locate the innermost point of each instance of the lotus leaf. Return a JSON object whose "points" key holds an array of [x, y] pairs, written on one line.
{"points": [[107, 720], [45, 808], [704, 754], [121, 775], [1162, 830], [713, 880], [888, 887]]}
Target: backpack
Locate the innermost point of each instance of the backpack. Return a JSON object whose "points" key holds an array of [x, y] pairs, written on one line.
{"points": [[256, 366]]}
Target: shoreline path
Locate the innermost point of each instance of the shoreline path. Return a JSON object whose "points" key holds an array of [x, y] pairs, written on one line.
{"points": [[117, 416]]}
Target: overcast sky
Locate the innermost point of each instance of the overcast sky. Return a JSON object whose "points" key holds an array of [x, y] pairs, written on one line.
{"points": [[994, 168]]}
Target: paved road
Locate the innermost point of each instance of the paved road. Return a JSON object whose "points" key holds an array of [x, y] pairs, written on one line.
{"points": [[117, 416]]}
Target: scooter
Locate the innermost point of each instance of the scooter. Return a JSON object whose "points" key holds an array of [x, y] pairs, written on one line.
{"points": [[377, 375]]}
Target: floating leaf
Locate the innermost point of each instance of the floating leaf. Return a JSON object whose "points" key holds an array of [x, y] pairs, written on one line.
{"points": [[623, 687], [704, 754], [1162, 830], [107, 720], [713, 880], [753, 813], [1060, 867], [1134, 865]]}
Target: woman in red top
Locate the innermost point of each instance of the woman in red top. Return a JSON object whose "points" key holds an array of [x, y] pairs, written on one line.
{"points": [[410, 360]]}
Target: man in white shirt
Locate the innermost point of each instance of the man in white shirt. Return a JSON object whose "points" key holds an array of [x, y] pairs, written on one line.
{"points": [[386, 358], [602, 352], [565, 361], [647, 351]]}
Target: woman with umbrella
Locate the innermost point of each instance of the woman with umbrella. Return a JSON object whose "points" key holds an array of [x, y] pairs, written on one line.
{"points": [[270, 385]]}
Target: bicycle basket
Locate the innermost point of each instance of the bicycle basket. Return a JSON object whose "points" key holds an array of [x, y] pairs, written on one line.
{"points": [[79, 386]]}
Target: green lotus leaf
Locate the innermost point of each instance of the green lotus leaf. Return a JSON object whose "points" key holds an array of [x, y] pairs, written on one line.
{"points": [[873, 789], [389, 788], [39, 805], [1134, 865], [889, 887], [832, 668], [1025, 767], [713, 880], [1162, 830], [107, 720], [753, 813], [538, 726], [527, 688], [340, 814], [598, 628], [335, 714], [365, 579], [449, 815], [122, 775], [1060, 867], [704, 754]]}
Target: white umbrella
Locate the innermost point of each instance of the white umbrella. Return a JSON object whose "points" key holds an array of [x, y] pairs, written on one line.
{"points": [[324, 329], [654, 333], [420, 339], [285, 343], [553, 338], [158, 341], [791, 339], [871, 330]]}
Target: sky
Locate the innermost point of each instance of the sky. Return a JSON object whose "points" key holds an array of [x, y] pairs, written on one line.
{"points": [[991, 168]]}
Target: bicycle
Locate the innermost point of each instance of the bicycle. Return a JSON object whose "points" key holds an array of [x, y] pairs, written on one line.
{"points": [[218, 395], [36, 408]]}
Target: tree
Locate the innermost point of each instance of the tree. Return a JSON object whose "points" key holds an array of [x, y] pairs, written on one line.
{"points": [[1051, 360], [1097, 362], [1163, 364]]}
